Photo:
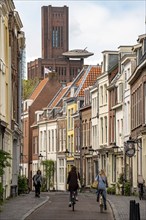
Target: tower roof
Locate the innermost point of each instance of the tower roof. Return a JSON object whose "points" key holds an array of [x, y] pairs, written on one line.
{"points": [[77, 53]]}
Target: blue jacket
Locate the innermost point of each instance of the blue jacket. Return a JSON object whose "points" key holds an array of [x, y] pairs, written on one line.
{"points": [[102, 182]]}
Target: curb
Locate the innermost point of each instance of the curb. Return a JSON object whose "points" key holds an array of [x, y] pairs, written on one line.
{"points": [[33, 209], [114, 211]]}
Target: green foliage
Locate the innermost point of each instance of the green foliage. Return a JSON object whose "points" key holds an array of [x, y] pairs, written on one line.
{"points": [[49, 169], [22, 184], [127, 188], [111, 190], [4, 161], [44, 185], [28, 87], [121, 178]]}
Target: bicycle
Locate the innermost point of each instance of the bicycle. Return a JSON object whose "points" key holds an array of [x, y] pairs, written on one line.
{"points": [[73, 200], [101, 201]]}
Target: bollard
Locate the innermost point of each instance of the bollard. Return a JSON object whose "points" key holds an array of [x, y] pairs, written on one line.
{"points": [[137, 209], [132, 215]]}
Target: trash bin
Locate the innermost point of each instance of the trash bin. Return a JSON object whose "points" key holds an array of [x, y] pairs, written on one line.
{"points": [[134, 213]]}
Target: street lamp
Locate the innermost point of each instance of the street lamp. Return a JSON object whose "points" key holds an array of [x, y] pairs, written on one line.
{"points": [[66, 152], [116, 148]]}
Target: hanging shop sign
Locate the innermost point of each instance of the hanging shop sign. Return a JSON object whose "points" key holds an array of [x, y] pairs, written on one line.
{"points": [[129, 148]]}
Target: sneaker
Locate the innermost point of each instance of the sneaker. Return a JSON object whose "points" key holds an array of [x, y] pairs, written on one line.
{"points": [[105, 208], [69, 204], [76, 198]]}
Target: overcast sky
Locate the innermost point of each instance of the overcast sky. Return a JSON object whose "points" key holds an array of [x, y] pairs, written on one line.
{"points": [[97, 25]]}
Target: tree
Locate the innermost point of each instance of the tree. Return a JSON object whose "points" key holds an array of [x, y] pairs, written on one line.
{"points": [[4, 161], [28, 87], [49, 169]]}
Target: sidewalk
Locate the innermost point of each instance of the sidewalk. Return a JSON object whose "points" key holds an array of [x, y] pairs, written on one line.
{"points": [[121, 206], [20, 207]]}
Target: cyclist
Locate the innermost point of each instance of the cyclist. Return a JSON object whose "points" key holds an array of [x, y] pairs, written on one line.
{"points": [[72, 182], [102, 184]]}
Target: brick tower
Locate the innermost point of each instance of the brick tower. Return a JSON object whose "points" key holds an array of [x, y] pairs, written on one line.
{"points": [[54, 31], [55, 54]]}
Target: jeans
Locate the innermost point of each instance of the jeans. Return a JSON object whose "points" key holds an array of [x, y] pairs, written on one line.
{"points": [[99, 191], [37, 190]]}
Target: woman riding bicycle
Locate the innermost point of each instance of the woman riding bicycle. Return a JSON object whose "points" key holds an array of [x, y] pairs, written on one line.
{"points": [[72, 182], [102, 184]]}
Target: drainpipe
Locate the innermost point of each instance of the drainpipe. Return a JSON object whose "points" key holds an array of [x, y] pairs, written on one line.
{"points": [[81, 162]]}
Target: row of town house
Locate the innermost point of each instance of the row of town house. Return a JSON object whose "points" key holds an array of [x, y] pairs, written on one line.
{"points": [[12, 54], [91, 121]]}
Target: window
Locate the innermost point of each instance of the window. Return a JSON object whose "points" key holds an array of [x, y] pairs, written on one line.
{"points": [[101, 94], [64, 139], [49, 140], [45, 141], [120, 92], [61, 171], [105, 129], [53, 140], [60, 139], [101, 123], [41, 140], [105, 92], [69, 119], [126, 83], [72, 150], [35, 145]]}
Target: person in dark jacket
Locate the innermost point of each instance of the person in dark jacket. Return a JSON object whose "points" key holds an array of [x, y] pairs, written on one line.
{"points": [[37, 182], [72, 182]]}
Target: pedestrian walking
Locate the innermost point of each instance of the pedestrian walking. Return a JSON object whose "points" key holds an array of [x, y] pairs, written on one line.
{"points": [[37, 182]]}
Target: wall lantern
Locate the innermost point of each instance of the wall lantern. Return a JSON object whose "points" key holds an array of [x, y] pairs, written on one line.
{"points": [[66, 152], [40, 156]]}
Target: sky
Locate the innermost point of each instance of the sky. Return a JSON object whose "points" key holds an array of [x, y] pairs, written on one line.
{"points": [[97, 25]]}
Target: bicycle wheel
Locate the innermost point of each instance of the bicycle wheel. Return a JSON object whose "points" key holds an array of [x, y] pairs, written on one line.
{"points": [[73, 201], [101, 204]]}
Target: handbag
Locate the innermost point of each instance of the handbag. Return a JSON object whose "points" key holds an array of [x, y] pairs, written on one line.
{"points": [[78, 180], [95, 184], [79, 183]]}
